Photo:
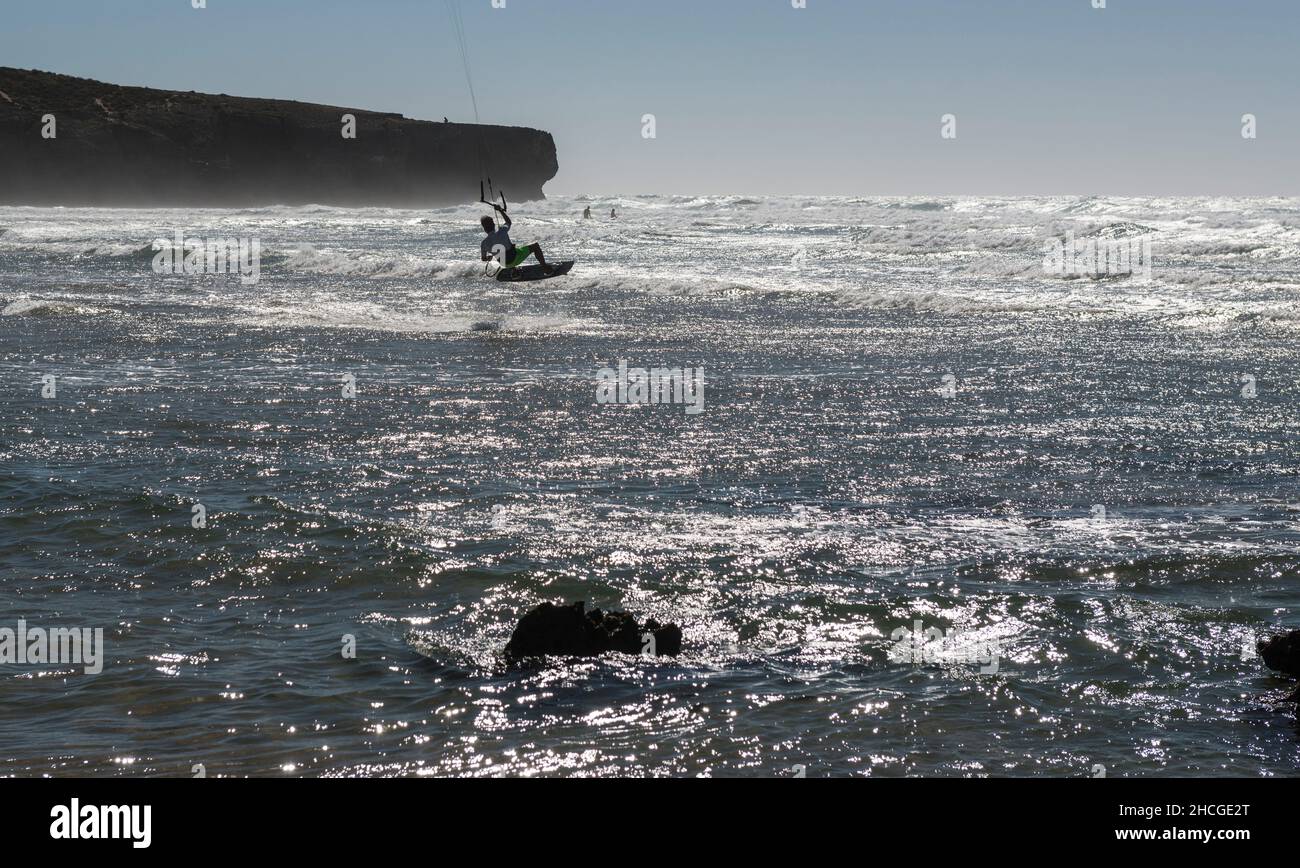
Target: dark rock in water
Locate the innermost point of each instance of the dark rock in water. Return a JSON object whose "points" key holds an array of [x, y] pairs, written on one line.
{"points": [[136, 146], [573, 632], [1281, 652]]}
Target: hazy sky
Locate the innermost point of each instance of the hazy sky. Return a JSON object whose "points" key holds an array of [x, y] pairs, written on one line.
{"points": [[754, 96]]}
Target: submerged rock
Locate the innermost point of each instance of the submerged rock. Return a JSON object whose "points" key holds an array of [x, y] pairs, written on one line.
{"points": [[1281, 652], [574, 632]]}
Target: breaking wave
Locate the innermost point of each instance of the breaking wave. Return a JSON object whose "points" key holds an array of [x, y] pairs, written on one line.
{"points": [[42, 308]]}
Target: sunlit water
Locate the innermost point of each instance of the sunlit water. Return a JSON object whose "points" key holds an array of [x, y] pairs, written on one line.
{"points": [[1093, 493]]}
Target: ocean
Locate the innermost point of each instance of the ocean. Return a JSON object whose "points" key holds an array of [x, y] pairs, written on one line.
{"points": [[940, 510]]}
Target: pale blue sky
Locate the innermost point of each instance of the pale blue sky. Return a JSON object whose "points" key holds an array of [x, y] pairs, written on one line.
{"points": [[754, 96]]}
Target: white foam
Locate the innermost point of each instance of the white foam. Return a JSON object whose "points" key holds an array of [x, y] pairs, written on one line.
{"points": [[45, 307], [1215, 259]]}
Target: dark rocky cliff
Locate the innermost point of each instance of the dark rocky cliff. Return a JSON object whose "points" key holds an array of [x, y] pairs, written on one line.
{"points": [[134, 146]]}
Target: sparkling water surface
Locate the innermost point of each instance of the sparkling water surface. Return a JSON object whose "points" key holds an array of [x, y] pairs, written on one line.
{"points": [[1094, 492]]}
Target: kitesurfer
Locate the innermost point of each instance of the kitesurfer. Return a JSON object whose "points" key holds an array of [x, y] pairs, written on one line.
{"points": [[500, 238]]}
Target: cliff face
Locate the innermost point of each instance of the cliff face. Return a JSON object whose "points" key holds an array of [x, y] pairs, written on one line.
{"points": [[134, 146]]}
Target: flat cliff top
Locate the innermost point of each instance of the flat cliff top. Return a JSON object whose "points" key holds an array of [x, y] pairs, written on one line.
{"points": [[51, 92]]}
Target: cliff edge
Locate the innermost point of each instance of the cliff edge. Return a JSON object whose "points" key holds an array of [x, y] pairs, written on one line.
{"points": [[139, 147]]}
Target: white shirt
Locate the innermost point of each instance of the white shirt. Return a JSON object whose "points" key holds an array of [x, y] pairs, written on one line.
{"points": [[501, 236]]}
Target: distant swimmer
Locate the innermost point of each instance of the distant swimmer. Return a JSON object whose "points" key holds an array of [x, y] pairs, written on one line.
{"points": [[613, 213], [445, 121], [586, 213], [499, 240]]}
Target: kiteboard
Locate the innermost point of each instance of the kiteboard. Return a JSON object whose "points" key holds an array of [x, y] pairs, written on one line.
{"points": [[534, 272]]}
